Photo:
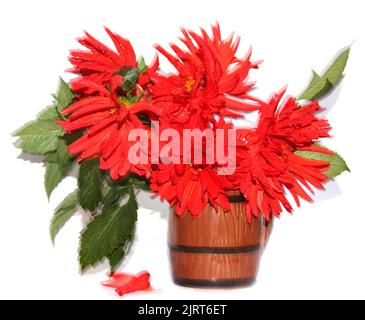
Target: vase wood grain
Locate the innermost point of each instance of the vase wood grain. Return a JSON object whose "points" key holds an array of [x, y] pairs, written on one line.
{"points": [[216, 248]]}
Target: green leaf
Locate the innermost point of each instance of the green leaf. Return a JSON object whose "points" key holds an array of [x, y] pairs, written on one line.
{"points": [[89, 182], [327, 88], [52, 177], [60, 162], [315, 78], [141, 65], [72, 137], [139, 183], [40, 136], [49, 113], [106, 232], [111, 194], [316, 88], [51, 156], [64, 158], [113, 190], [63, 213], [335, 71], [321, 85], [130, 75], [41, 128], [336, 162], [61, 153], [116, 256], [64, 95], [38, 144]]}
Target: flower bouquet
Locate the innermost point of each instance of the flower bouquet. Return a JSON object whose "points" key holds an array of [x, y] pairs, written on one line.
{"points": [[127, 125]]}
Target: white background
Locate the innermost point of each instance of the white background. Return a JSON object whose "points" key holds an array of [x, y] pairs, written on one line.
{"points": [[317, 253]]}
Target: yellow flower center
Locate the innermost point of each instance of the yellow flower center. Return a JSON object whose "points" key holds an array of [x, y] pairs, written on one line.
{"points": [[189, 84], [113, 110], [195, 168]]}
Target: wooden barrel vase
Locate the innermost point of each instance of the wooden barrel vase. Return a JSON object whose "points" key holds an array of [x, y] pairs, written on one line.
{"points": [[216, 249]]}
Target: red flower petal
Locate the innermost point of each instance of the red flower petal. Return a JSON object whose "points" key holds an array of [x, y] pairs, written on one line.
{"points": [[127, 283]]}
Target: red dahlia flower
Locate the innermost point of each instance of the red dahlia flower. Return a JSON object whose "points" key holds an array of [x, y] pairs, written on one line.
{"points": [[267, 162], [112, 93], [210, 79], [190, 187], [99, 63], [108, 119]]}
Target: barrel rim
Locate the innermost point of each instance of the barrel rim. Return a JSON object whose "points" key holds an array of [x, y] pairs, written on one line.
{"points": [[236, 198], [214, 283], [215, 250]]}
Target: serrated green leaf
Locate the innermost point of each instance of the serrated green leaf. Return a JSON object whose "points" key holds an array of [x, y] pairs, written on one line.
{"points": [[63, 213], [52, 177], [315, 78], [316, 86], [55, 173], [51, 156], [139, 182], [49, 113], [38, 144], [337, 163], [116, 257], [61, 153], [335, 70], [141, 65], [130, 76], [64, 95], [58, 165], [72, 137], [113, 190], [89, 182], [321, 85], [111, 194], [40, 136], [106, 232], [42, 128], [63, 156], [327, 88]]}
